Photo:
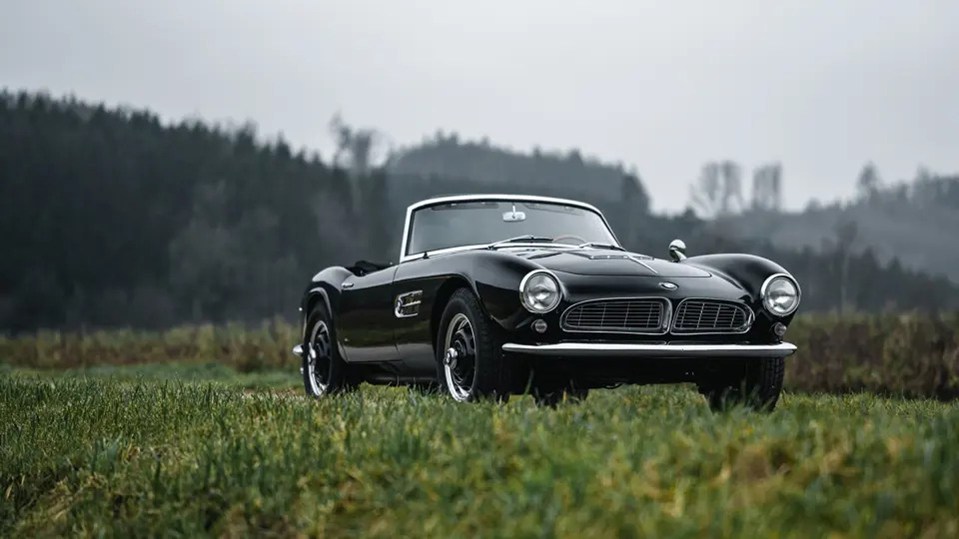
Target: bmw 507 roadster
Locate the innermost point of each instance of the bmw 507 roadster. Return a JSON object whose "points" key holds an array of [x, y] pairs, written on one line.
{"points": [[495, 295]]}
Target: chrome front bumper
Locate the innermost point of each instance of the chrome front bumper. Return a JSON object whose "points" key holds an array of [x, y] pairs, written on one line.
{"points": [[574, 349], [571, 349]]}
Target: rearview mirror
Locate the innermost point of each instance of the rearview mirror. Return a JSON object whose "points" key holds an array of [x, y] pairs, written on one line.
{"points": [[514, 216], [677, 250]]}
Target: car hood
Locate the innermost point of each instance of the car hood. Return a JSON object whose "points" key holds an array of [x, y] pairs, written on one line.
{"points": [[608, 262]]}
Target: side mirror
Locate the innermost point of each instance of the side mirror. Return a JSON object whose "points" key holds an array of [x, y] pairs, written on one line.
{"points": [[677, 250]]}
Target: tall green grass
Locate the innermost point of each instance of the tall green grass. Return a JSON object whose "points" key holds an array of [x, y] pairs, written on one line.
{"points": [[91, 457], [244, 347], [912, 354]]}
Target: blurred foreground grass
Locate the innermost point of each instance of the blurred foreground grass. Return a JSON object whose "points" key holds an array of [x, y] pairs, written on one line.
{"points": [[134, 453]]}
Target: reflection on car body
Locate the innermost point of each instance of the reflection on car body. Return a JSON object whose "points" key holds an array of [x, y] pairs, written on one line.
{"points": [[495, 295]]}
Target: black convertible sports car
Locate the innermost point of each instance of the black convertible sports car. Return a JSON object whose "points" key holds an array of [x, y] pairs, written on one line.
{"points": [[496, 295]]}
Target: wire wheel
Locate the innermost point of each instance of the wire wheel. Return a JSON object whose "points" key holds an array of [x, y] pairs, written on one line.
{"points": [[320, 359], [459, 360]]}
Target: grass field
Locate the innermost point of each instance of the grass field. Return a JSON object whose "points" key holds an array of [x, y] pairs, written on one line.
{"points": [[140, 452], [911, 354]]}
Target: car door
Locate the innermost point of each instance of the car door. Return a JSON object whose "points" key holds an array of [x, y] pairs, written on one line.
{"points": [[365, 319], [414, 287]]}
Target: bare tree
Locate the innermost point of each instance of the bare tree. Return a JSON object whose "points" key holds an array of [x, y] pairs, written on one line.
{"points": [[767, 187], [732, 187], [846, 233], [718, 191], [705, 195], [357, 146], [869, 182]]}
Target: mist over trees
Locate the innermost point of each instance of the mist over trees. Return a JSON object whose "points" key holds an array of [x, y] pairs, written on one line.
{"points": [[446, 156], [912, 222], [110, 217]]}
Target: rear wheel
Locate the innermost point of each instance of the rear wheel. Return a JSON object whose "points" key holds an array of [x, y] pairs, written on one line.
{"points": [[469, 355], [324, 371], [754, 383]]}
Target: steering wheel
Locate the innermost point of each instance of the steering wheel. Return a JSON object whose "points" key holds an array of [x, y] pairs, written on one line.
{"points": [[577, 239]]}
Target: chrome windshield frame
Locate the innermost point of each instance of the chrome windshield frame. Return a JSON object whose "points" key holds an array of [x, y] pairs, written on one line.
{"points": [[404, 245]]}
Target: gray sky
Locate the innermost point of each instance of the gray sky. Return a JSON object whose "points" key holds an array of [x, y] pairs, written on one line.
{"points": [[820, 86]]}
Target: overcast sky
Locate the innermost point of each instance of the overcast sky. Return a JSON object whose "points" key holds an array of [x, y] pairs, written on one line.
{"points": [[665, 86]]}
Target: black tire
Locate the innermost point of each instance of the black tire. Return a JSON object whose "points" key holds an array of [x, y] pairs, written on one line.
{"points": [[755, 384], [324, 371], [478, 370]]}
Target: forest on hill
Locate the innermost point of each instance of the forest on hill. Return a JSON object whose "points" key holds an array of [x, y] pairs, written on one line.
{"points": [[914, 222], [110, 217], [445, 156]]}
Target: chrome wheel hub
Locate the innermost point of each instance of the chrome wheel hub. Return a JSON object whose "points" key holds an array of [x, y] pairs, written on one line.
{"points": [[319, 358], [450, 358], [459, 360]]}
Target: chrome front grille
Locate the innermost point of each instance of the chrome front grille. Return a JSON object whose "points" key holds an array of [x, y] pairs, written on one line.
{"points": [[627, 315], [710, 316]]}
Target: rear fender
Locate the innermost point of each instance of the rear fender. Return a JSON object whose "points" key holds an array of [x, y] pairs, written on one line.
{"points": [[325, 287]]}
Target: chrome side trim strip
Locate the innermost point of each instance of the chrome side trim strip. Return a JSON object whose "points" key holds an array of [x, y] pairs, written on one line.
{"points": [[408, 305], [647, 266], [581, 349]]}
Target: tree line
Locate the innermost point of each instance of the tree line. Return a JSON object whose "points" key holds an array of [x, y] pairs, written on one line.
{"points": [[111, 217]]}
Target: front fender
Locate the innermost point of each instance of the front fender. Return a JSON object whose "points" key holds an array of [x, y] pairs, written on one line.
{"points": [[493, 276], [748, 271]]}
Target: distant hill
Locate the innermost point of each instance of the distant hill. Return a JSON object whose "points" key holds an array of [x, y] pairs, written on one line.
{"points": [[917, 223], [111, 217], [500, 168]]}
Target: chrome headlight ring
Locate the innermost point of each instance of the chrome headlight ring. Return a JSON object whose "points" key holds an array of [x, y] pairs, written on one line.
{"points": [[540, 291], [780, 295]]}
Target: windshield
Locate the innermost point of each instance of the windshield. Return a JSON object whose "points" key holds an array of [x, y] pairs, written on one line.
{"points": [[482, 222]]}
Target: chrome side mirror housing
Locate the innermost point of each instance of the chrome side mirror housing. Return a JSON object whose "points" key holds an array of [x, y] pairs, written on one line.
{"points": [[677, 250]]}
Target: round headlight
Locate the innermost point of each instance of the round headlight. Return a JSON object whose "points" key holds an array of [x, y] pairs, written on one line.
{"points": [[780, 295], [540, 291]]}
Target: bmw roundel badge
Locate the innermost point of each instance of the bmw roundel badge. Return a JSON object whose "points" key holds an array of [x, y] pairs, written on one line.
{"points": [[668, 285]]}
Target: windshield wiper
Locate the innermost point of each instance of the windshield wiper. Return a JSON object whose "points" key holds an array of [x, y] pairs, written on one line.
{"points": [[517, 239], [602, 245]]}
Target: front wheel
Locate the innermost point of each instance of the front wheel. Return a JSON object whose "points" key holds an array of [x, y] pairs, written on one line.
{"points": [[324, 371], [754, 383], [469, 356]]}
